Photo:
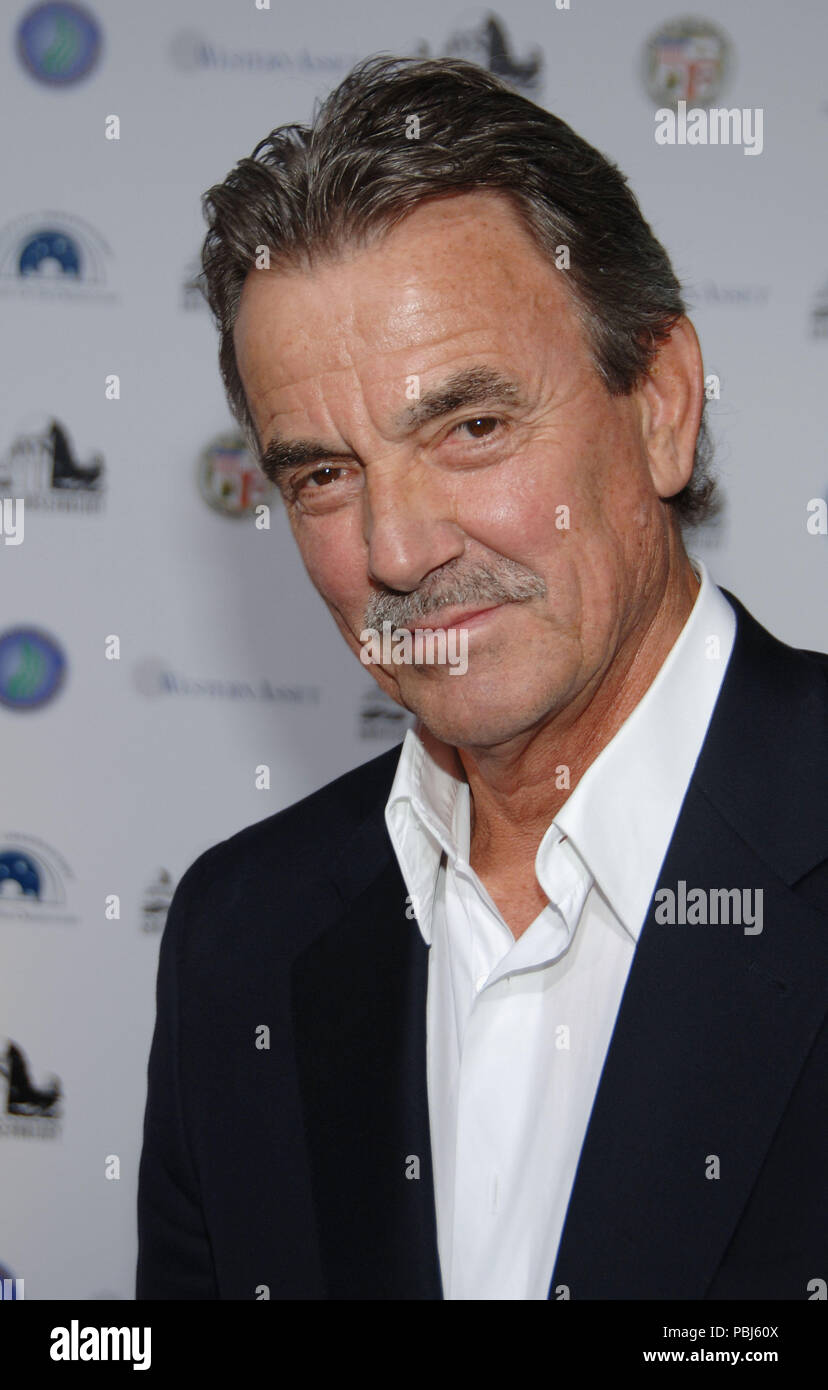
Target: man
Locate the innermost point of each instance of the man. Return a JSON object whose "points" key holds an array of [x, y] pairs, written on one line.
{"points": [[531, 1007]]}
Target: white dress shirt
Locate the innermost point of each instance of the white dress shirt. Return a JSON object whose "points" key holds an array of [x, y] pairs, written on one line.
{"points": [[518, 1031]]}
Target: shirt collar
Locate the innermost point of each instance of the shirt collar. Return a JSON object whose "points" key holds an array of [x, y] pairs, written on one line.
{"points": [[427, 814], [622, 814], [619, 819]]}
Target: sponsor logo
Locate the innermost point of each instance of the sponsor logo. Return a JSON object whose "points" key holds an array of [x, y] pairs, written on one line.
{"points": [[27, 1111], [382, 717], [156, 902], [686, 60], [59, 44], [190, 51], [709, 294], [153, 678], [230, 480], [33, 881], [481, 37], [43, 467], [192, 288], [53, 255], [32, 668], [819, 313]]}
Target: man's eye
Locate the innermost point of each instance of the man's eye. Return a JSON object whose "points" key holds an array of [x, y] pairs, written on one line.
{"points": [[320, 477], [324, 488], [480, 426]]}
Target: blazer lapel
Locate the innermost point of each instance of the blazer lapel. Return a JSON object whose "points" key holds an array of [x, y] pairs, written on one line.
{"points": [[714, 1024], [359, 1012], [712, 1031]]}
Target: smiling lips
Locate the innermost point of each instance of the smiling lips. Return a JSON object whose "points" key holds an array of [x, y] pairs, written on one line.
{"points": [[452, 617]]}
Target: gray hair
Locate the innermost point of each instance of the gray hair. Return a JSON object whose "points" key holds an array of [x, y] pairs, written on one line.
{"points": [[352, 174]]}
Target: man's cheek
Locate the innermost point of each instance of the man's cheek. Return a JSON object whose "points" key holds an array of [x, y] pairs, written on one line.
{"points": [[334, 554], [349, 618], [324, 569]]}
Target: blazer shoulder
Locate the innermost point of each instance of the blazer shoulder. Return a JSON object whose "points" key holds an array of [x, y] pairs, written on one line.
{"points": [[772, 656], [764, 761], [775, 694], [294, 843]]}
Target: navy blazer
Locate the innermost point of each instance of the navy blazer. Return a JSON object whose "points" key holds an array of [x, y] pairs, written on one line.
{"points": [[287, 1075]]}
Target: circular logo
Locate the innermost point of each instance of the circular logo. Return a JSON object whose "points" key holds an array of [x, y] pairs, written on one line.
{"points": [[32, 668], [59, 43], [686, 60], [17, 867], [50, 252], [230, 479]]}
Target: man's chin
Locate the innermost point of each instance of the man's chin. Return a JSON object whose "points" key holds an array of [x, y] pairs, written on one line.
{"points": [[462, 721]]}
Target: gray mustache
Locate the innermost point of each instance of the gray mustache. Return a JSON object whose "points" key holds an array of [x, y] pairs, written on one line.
{"points": [[508, 583]]}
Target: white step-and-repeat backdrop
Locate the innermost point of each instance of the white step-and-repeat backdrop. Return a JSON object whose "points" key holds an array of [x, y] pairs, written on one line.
{"points": [[156, 648]]}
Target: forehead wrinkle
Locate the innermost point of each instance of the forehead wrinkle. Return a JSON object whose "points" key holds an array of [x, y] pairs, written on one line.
{"points": [[282, 453], [467, 387]]}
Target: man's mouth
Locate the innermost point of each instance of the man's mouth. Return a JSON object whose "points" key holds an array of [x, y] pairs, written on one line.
{"points": [[445, 618]]}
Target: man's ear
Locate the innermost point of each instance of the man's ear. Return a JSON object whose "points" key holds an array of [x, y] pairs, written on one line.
{"points": [[671, 400]]}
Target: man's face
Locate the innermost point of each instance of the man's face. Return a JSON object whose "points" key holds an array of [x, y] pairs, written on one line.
{"points": [[451, 409]]}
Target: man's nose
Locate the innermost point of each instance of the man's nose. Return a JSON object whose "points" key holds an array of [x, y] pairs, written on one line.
{"points": [[407, 526]]}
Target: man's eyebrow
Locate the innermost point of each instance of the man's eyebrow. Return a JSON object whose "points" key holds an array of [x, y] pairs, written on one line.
{"points": [[283, 455], [472, 386]]}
